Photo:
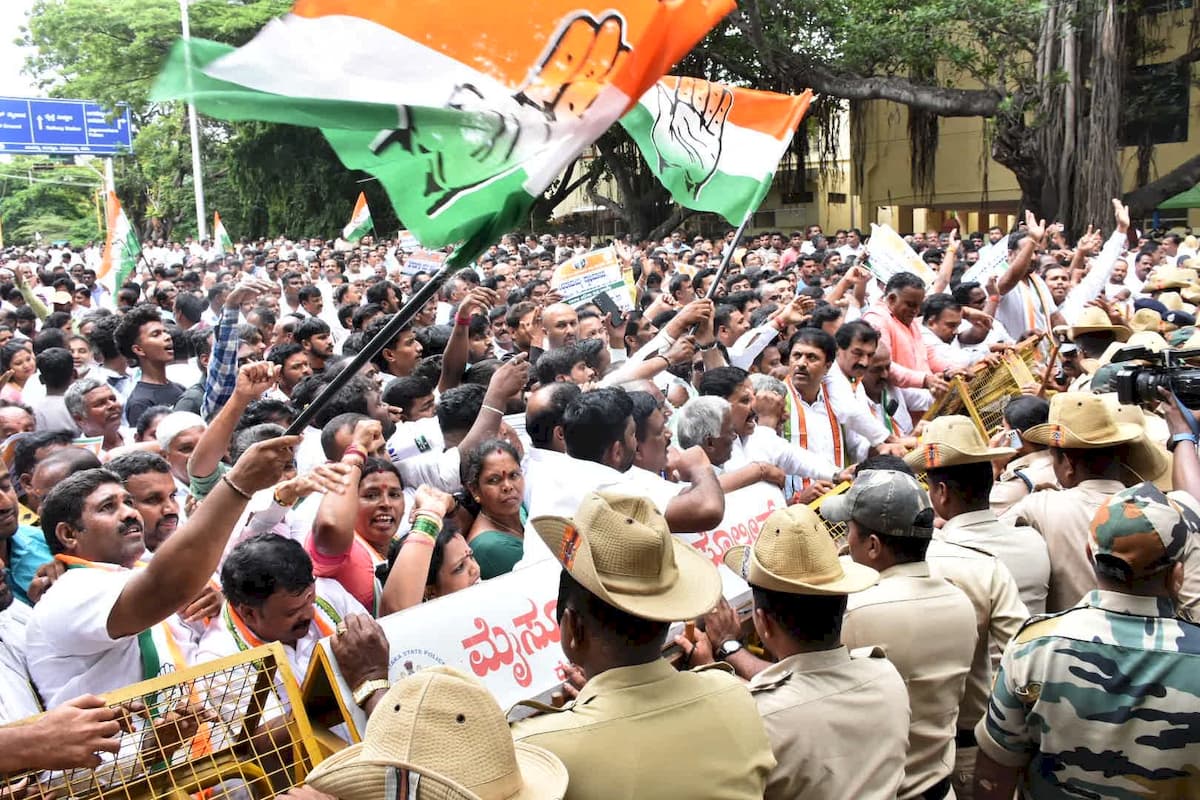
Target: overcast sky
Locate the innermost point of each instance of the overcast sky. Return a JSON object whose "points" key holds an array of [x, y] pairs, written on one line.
{"points": [[12, 82]]}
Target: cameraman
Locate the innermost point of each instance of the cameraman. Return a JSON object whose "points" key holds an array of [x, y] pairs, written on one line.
{"points": [[1185, 472]]}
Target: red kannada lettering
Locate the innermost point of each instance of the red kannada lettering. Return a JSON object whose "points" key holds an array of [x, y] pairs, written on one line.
{"points": [[512, 648]]}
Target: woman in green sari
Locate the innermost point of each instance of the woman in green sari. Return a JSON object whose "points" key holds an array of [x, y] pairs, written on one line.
{"points": [[491, 476]]}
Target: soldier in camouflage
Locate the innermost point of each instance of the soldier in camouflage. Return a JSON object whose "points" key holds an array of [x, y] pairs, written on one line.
{"points": [[1103, 700]]}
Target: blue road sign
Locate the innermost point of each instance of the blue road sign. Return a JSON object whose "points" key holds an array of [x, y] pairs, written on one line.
{"points": [[35, 125]]}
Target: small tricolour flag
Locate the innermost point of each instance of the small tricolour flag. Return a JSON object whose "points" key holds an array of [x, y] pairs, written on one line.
{"points": [[220, 235], [360, 223], [462, 111], [714, 147], [121, 248]]}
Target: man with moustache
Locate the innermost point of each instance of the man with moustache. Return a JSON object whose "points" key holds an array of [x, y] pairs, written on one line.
{"points": [[147, 478], [272, 596]]}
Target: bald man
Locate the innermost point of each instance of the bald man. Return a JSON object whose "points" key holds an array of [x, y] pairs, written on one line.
{"points": [[560, 324]]}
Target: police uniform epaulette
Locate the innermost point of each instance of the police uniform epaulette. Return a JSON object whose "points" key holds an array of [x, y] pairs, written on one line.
{"points": [[717, 665], [1027, 630], [767, 686], [539, 708]]}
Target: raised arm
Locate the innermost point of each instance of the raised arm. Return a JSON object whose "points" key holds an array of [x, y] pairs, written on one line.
{"points": [[222, 372], [333, 527], [251, 383], [701, 506], [942, 281], [1019, 266], [454, 359], [185, 562], [405, 585], [508, 381]]}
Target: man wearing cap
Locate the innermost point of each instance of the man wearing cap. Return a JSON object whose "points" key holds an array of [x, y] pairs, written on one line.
{"points": [[638, 728], [1092, 334], [925, 624], [1102, 700], [958, 467], [820, 702], [1086, 447]]}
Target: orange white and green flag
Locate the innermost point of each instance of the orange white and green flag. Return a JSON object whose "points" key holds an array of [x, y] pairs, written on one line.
{"points": [[464, 110], [714, 147], [220, 235], [121, 248], [360, 223]]}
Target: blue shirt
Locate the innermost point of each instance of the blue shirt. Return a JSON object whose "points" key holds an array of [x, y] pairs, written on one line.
{"points": [[28, 552]]}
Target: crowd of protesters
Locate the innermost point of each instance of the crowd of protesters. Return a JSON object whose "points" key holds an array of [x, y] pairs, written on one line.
{"points": [[1009, 612]]}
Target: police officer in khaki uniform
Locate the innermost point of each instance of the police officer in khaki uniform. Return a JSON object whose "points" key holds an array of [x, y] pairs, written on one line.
{"points": [[925, 624], [639, 728], [957, 463], [1087, 447], [820, 702], [1031, 470]]}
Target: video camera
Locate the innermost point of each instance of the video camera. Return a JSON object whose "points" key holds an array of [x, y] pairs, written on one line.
{"points": [[1138, 384]]}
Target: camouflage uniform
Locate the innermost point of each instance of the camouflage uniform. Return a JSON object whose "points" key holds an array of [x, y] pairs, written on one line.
{"points": [[1103, 700]]}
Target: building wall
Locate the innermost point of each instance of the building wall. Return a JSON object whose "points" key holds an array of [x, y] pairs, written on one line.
{"points": [[968, 183]]}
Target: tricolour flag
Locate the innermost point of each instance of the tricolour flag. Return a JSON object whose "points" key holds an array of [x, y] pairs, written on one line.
{"points": [[714, 147], [121, 248], [360, 223], [464, 111], [220, 235]]}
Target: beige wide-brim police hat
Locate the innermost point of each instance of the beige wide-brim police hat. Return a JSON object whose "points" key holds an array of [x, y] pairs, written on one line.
{"points": [[620, 549], [1174, 302], [1146, 319], [795, 554], [1148, 339], [1148, 459], [1094, 320], [440, 730], [951, 441], [1169, 278], [1082, 421]]}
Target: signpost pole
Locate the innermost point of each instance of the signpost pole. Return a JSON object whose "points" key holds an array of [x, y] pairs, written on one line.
{"points": [[197, 179], [110, 183]]}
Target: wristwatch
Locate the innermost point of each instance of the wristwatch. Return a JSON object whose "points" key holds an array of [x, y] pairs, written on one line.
{"points": [[368, 688], [1174, 441], [728, 648]]}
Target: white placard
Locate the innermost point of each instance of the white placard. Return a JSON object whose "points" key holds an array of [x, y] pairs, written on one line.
{"points": [[582, 278], [503, 631], [889, 254]]}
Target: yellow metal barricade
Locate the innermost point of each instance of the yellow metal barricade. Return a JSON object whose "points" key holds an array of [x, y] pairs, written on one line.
{"points": [[983, 393], [255, 740]]}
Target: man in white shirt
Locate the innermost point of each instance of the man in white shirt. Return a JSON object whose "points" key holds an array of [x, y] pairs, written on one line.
{"points": [[108, 621], [272, 596]]}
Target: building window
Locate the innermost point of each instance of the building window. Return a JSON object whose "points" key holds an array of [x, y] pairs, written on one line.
{"points": [[1156, 105]]}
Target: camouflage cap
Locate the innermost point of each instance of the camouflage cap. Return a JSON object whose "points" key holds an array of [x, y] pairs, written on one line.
{"points": [[1143, 528]]}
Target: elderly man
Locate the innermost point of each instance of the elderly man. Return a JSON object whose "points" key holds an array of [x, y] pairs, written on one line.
{"points": [[625, 579], [1096, 701], [97, 411]]}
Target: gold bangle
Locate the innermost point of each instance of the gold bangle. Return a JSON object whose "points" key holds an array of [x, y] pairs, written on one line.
{"points": [[237, 489]]}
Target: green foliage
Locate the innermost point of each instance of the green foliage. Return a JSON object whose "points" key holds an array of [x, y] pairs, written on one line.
{"points": [[40, 196], [264, 179]]}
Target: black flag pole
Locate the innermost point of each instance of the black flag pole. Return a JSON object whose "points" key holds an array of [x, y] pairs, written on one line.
{"points": [[388, 334], [728, 256]]}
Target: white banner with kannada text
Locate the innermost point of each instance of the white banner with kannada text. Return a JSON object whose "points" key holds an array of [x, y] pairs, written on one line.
{"points": [[745, 512], [503, 631]]}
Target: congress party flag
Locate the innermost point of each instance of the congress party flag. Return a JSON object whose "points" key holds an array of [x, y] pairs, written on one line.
{"points": [[360, 223], [464, 111], [714, 147], [220, 235], [121, 247]]}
